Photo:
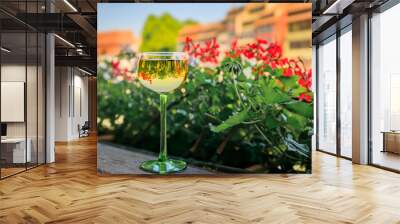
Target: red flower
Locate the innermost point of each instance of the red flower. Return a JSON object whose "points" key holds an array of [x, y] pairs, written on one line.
{"points": [[116, 70], [305, 97], [248, 53], [262, 41], [274, 50], [306, 79], [261, 50], [187, 44], [234, 52], [273, 64], [253, 46], [287, 72], [208, 53], [234, 45], [284, 61], [298, 71], [115, 64], [256, 50]]}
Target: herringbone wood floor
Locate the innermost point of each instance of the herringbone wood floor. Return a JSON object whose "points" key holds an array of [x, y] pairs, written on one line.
{"points": [[70, 191]]}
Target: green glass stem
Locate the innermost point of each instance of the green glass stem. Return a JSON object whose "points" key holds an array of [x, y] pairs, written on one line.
{"points": [[163, 165], [163, 128]]}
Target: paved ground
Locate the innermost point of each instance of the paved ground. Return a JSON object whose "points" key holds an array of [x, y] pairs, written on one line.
{"points": [[114, 160]]}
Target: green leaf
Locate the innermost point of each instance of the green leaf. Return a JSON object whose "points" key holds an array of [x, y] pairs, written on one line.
{"points": [[270, 70], [289, 82], [301, 149], [244, 85], [231, 121], [233, 66], [273, 95], [297, 91], [277, 72], [296, 121], [276, 150], [271, 123], [302, 108]]}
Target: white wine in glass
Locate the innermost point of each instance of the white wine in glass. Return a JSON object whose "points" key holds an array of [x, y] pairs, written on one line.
{"points": [[163, 72]]}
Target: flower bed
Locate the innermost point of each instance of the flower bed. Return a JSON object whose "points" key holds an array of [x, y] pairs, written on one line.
{"points": [[248, 108]]}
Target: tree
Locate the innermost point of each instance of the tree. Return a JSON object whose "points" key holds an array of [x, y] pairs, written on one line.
{"points": [[161, 33]]}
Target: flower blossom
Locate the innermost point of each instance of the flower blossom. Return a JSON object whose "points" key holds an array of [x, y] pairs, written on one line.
{"points": [[207, 53]]}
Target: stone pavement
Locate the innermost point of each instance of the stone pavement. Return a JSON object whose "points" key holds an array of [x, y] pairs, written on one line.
{"points": [[114, 160]]}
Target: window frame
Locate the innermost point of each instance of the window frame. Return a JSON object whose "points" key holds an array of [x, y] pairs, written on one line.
{"points": [[334, 37]]}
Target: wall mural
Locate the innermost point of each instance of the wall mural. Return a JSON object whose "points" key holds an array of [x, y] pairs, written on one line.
{"points": [[184, 93]]}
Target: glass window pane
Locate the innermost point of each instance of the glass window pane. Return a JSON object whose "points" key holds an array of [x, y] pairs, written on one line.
{"points": [[41, 98], [15, 151], [31, 97], [327, 97], [313, 87], [32, 86], [385, 114], [346, 94], [23, 89]]}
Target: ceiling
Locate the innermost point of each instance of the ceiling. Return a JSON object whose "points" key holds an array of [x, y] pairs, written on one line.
{"points": [[74, 22], [331, 15]]}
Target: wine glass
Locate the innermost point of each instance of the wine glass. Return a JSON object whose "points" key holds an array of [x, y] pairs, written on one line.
{"points": [[163, 72]]}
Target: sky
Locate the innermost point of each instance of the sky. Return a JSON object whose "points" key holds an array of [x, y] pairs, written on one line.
{"points": [[114, 16]]}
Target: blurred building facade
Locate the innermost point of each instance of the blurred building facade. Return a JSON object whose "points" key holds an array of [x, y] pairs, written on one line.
{"points": [[286, 24], [111, 43]]}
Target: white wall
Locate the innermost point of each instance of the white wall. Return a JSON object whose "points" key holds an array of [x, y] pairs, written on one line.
{"points": [[17, 73], [14, 73], [62, 81], [33, 126], [71, 94], [80, 115]]}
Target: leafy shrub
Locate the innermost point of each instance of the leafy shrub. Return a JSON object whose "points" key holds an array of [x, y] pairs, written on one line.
{"points": [[249, 110]]}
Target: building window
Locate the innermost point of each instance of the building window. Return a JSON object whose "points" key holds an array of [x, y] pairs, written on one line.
{"points": [[299, 12], [300, 26], [267, 15], [248, 34], [248, 23], [258, 9], [300, 44], [265, 29]]}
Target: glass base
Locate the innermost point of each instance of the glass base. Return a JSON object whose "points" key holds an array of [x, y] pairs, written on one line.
{"points": [[163, 167]]}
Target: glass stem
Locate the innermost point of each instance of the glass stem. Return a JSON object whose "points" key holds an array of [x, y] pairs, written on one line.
{"points": [[163, 127]]}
